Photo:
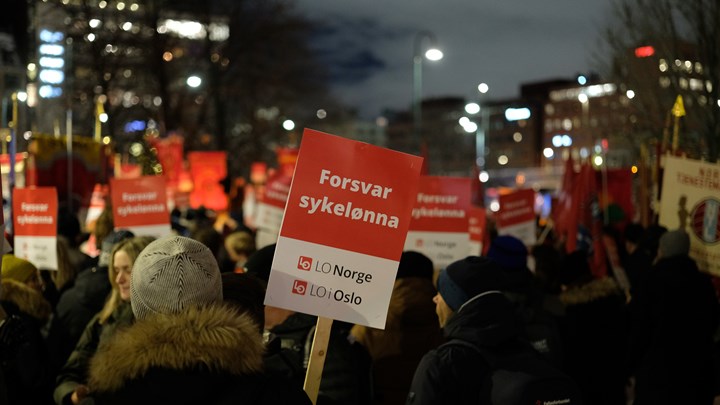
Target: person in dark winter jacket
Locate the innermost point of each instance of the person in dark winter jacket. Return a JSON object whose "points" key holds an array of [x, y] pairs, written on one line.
{"points": [[346, 377], [674, 317], [79, 304], [24, 361], [186, 346], [410, 331], [594, 332], [116, 314], [470, 308]]}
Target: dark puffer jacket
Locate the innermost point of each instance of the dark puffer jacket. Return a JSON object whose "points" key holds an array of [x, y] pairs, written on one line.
{"points": [[201, 356], [346, 374], [453, 374], [674, 317]]}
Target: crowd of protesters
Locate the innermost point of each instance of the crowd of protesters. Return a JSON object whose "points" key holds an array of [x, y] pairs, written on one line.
{"points": [[181, 320]]}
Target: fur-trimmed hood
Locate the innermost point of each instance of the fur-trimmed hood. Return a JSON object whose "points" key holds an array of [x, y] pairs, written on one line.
{"points": [[28, 300], [216, 338], [589, 292]]}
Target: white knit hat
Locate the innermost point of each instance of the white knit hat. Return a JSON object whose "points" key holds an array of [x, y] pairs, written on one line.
{"points": [[171, 274]]}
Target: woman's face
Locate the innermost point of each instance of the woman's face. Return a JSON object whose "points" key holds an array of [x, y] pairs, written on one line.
{"points": [[123, 267]]}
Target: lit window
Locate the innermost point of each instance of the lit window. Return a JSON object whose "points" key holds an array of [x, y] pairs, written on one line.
{"points": [[121, 6], [549, 109], [698, 67], [517, 137], [567, 124], [683, 83], [663, 66]]}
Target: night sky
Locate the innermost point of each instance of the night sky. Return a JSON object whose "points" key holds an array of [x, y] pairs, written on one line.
{"points": [[368, 45]]}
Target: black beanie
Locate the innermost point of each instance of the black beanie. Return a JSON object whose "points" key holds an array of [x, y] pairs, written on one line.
{"points": [[415, 264], [259, 263], [464, 279]]}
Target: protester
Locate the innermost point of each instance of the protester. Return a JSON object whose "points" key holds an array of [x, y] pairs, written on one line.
{"points": [[185, 347], [639, 260], [411, 330], [594, 331], [117, 313], [22, 271], [239, 245], [79, 304], [674, 317], [70, 235], [246, 293], [346, 375], [538, 317], [25, 367], [470, 307]]}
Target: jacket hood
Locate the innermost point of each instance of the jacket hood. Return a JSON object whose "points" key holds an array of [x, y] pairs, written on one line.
{"points": [[594, 290], [487, 319], [27, 299], [411, 302], [216, 338]]}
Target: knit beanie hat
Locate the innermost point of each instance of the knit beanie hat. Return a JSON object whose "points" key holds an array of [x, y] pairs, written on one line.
{"points": [[172, 274], [415, 264], [108, 242], [509, 252], [674, 243], [15, 268], [259, 263], [464, 279]]}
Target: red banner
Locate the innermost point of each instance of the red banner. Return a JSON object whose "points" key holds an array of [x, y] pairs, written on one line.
{"points": [[140, 205], [208, 169]]}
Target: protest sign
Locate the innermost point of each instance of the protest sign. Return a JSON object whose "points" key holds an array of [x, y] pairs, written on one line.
{"points": [[343, 230], [439, 225], [516, 216], [140, 205], [35, 212], [691, 201], [477, 221], [270, 208]]}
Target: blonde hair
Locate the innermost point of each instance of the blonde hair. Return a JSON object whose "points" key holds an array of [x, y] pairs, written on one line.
{"points": [[240, 242], [132, 247]]}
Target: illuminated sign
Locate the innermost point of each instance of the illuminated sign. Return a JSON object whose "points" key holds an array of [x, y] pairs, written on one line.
{"points": [[644, 51], [51, 62]]}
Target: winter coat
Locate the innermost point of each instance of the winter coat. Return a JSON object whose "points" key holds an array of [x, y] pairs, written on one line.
{"points": [[75, 309], [346, 375], [453, 374], [24, 358], [74, 373], [674, 317], [594, 334], [209, 355], [411, 330]]}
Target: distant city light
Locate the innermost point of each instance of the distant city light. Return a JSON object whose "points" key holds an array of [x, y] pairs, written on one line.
{"points": [[494, 206], [472, 108], [103, 117], [463, 121], [557, 141], [321, 114], [517, 114], [31, 67], [51, 49], [91, 37], [381, 121], [27, 135], [433, 54], [194, 81], [483, 88], [582, 80], [470, 127], [52, 63], [598, 160], [134, 7], [630, 94], [517, 137], [94, 23], [634, 169], [52, 76], [106, 140], [22, 96], [502, 160], [127, 26], [289, 125], [583, 98], [51, 36], [48, 91], [484, 176], [120, 6], [548, 153], [102, 4]]}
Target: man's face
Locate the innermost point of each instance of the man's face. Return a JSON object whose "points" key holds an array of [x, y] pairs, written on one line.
{"points": [[442, 309]]}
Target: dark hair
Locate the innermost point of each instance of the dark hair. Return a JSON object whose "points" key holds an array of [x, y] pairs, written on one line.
{"points": [[208, 236], [245, 293]]}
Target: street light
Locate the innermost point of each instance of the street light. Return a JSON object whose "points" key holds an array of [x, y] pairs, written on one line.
{"points": [[433, 54]]}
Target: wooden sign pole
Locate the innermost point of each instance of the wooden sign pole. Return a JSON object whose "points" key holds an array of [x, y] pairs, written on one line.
{"points": [[317, 358]]}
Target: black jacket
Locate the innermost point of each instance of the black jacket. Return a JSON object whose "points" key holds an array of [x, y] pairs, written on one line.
{"points": [[201, 356], [76, 307], [452, 374], [674, 317], [346, 374]]}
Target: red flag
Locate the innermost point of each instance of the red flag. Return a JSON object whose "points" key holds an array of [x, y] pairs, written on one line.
{"points": [[425, 154]]}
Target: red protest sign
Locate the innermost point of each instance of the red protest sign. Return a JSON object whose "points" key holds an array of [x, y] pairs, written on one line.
{"points": [[343, 230], [517, 215], [140, 205], [441, 205], [35, 213]]}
